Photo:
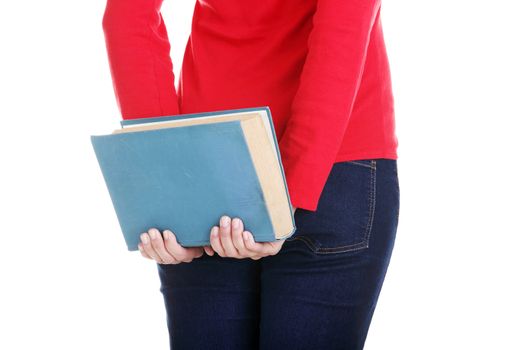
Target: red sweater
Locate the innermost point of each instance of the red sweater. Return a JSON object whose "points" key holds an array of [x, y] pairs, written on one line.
{"points": [[320, 65]]}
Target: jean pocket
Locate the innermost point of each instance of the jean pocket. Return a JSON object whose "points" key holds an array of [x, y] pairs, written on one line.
{"points": [[345, 213]]}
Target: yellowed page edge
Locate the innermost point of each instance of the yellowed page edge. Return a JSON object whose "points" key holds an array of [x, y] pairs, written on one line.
{"points": [[186, 122], [269, 174]]}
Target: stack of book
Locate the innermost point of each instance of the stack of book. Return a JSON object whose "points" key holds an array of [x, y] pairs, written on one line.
{"points": [[183, 172]]}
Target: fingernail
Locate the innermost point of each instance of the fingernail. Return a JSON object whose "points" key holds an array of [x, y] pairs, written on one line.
{"points": [[153, 234], [166, 235], [225, 221], [214, 231], [236, 223], [245, 235], [144, 238]]}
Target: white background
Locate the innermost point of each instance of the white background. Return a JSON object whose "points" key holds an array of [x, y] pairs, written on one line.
{"points": [[456, 279]]}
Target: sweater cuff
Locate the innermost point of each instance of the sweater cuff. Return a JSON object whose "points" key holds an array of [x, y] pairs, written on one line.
{"points": [[305, 182]]}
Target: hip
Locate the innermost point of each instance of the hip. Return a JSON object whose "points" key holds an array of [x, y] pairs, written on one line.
{"points": [[359, 205]]}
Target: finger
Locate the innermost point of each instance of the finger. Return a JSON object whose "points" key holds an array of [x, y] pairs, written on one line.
{"points": [[276, 246], [215, 241], [142, 252], [158, 245], [260, 249], [179, 252], [272, 248], [209, 250], [225, 235], [238, 240], [250, 243], [146, 243], [173, 247], [196, 251]]}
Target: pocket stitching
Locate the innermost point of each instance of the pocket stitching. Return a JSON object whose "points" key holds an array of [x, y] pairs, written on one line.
{"points": [[357, 162], [317, 249], [311, 245], [371, 213]]}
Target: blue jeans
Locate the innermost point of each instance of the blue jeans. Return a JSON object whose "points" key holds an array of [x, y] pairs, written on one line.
{"points": [[318, 292]]}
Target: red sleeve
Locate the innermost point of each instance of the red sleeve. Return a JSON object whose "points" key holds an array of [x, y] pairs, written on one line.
{"points": [[138, 51], [328, 85]]}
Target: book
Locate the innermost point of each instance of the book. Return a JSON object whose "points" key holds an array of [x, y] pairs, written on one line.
{"points": [[183, 172]]}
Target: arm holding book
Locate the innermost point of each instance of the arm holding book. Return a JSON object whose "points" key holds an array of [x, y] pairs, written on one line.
{"points": [[138, 51], [229, 239]]}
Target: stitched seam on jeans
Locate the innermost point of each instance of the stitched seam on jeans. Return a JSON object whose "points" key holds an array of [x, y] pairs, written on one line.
{"points": [[371, 165], [398, 193], [372, 203], [307, 241], [371, 214], [364, 243]]}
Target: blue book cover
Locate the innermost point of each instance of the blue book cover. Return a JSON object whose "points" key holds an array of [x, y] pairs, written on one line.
{"points": [[184, 172]]}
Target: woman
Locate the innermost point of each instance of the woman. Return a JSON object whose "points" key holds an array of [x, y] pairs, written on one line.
{"points": [[322, 67]]}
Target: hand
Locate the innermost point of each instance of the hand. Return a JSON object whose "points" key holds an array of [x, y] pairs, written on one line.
{"points": [[231, 241], [167, 250]]}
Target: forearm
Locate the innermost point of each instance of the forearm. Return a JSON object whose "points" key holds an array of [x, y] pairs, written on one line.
{"points": [[138, 51], [322, 106]]}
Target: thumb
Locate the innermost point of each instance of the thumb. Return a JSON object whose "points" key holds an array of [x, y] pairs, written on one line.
{"points": [[209, 250]]}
